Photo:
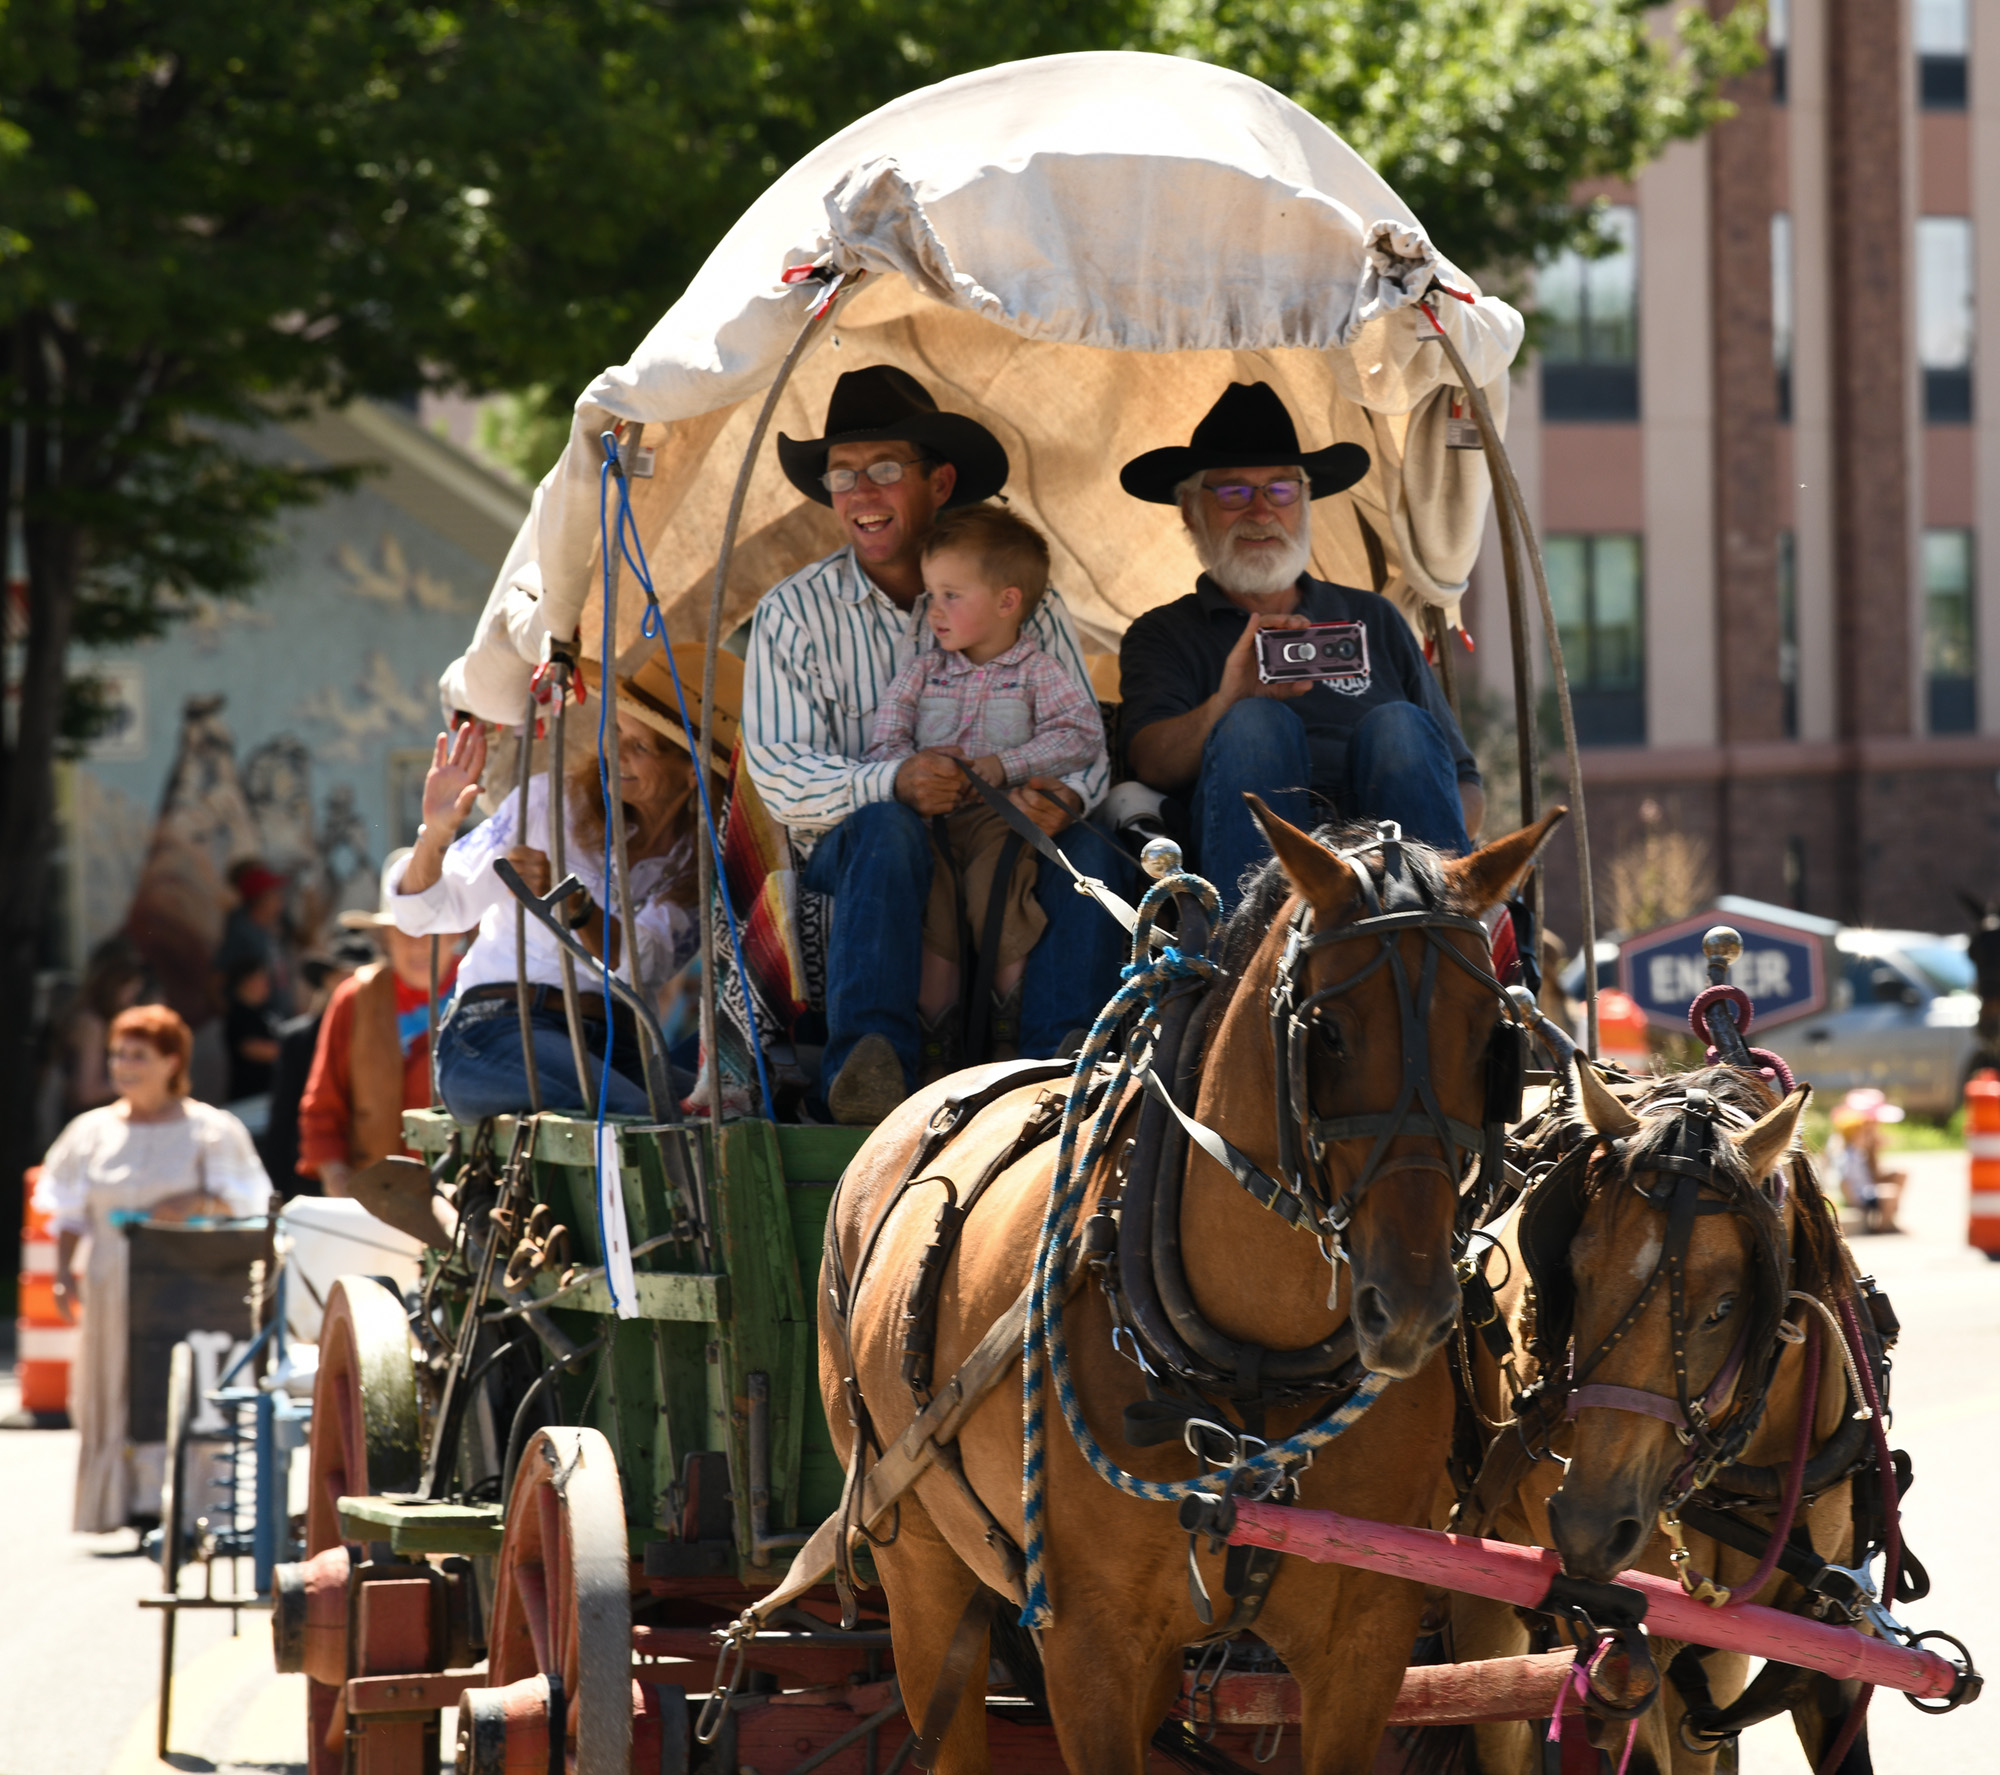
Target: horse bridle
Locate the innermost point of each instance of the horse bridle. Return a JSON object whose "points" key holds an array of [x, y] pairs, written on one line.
{"points": [[1295, 1013], [1713, 1433]]}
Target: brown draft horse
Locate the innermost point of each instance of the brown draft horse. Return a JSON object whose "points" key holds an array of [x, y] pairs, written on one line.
{"points": [[1117, 1565], [1602, 1513]]}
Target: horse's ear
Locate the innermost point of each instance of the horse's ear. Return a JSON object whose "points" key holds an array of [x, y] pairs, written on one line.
{"points": [[1979, 908], [1766, 1141], [1314, 870], [1604, 1112], [1485, 878]]}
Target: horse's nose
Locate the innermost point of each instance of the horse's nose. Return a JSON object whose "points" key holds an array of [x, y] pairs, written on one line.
{"points": [[1590, 1545], [1372, 1318]]}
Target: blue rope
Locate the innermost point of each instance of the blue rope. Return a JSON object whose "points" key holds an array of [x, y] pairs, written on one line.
{"points": [[653, 626], [1144, 984]]}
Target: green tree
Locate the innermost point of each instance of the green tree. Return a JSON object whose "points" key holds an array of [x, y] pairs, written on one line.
{"points": [[1484, 114], [213, 214]]}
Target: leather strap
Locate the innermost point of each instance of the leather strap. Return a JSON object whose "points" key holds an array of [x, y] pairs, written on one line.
{"points": [[907, 1459], [968, 1641]]}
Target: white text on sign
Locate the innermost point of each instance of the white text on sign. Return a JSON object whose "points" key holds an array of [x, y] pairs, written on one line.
{"points": [[1763, 973]]}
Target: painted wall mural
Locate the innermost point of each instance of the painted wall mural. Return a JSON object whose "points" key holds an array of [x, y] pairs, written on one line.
{"points": [[292, 728]]}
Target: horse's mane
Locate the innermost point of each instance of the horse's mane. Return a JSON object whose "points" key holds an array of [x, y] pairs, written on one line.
{"points": [[1815, 1235], [1267, 887]]}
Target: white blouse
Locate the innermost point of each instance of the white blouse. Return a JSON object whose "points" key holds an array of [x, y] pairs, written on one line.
{"points": [[104, 1161], [470, 894]]}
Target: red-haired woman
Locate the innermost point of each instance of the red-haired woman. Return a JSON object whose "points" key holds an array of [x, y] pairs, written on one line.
{"points": [[157, 1152]]}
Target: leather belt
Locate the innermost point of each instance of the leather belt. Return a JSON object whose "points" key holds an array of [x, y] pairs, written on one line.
{"points": [[590, 1005]]}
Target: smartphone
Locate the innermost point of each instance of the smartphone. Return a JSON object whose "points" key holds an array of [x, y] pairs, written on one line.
{"points": [[1320, 653]]}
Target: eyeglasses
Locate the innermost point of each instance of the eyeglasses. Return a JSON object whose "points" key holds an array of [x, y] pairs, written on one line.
{"points": [[1236, 496], [883, 474]]}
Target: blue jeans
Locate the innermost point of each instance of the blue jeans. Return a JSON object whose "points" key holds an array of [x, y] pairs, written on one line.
{"points": [[875, 867], [480, 1073], [1399, 767]]}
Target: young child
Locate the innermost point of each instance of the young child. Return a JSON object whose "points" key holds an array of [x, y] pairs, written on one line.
{"points": [[987, 694], [1872, 1191]]}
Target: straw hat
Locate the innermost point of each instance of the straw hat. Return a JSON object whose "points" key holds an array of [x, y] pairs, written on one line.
{"points": [[648, 695], [1862, 1105], [384, 913]]}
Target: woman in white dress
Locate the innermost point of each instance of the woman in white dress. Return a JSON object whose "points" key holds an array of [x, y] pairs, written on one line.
{"points": [[156, 1152]]}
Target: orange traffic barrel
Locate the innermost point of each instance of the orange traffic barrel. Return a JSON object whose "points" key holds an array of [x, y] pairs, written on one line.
{"points": [[1982, 1142], [1621, 1031], [45, 1343]]}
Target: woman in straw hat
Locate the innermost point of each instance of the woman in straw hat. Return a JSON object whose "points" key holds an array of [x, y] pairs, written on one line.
{"points": [[449, 884]]}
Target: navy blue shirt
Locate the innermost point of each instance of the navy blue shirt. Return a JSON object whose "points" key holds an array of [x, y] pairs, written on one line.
{"points": [[1171, 661]]}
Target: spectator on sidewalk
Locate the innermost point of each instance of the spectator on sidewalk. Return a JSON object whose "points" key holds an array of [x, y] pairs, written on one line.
{"points": [[157, 1152], [373, 1058], [298, 1041], [1872, 1192]]}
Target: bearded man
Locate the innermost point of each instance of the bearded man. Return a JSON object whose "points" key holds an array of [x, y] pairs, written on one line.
{"points": [[1377, 742]]}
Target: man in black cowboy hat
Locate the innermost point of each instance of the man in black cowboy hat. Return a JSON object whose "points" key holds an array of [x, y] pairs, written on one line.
{"points": [[1200, 725], [823, 647]]}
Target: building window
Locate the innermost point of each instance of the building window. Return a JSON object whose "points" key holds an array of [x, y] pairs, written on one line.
{"points": [[1949, 665], [1940, 31], [1778, 34], [1788, 630], [1945, 317], [1590, 312], [1594, 586], [1781, 311]]}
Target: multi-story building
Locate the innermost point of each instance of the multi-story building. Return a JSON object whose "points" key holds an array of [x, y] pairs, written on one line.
{"points": [[1768, 481]]}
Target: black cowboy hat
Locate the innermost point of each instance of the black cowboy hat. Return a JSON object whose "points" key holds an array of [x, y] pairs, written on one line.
{"points": [[1247, 428], [883, 403]]}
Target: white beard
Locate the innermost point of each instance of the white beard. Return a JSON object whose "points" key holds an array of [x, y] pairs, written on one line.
{"points": [[1251, 573]]}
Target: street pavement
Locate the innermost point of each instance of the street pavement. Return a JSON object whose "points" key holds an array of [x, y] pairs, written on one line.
{"points": [[81, 1659], [1946, 1412]]}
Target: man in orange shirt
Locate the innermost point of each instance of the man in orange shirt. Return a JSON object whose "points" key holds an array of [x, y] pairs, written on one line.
{"points": [[374, 1058]]}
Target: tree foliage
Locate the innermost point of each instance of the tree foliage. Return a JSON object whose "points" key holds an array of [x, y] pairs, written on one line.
{"points": [[1484, 114], [213, 214]]}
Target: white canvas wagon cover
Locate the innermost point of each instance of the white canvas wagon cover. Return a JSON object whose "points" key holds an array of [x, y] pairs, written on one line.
{"points": [[1081, 252]]}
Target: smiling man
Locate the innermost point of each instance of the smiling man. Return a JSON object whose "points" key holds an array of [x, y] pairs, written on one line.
{"points": [[824, 646], [1375, 742]]}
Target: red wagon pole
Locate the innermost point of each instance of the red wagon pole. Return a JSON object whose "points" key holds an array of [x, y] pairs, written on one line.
{"points": [[1524, 1575]]}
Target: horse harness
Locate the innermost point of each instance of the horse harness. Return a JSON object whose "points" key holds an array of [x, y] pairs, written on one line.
{"points": [[1692, 1188], [1295, 1023], [1131, 1243], [1711, 1488]]}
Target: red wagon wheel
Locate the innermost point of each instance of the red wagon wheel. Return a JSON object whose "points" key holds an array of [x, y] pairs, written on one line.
{"points": [[365, 1432], [366, 1438], [560, 1650]]}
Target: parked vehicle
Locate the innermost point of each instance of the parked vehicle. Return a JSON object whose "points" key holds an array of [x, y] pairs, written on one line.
{"points": [[1900, 1016]]}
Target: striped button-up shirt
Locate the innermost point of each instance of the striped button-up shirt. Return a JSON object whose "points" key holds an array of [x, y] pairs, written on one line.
{"points": [[824, 646]]}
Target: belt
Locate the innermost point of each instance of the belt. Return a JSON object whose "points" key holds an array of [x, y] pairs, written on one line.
{"points": [[590, 1005]]}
